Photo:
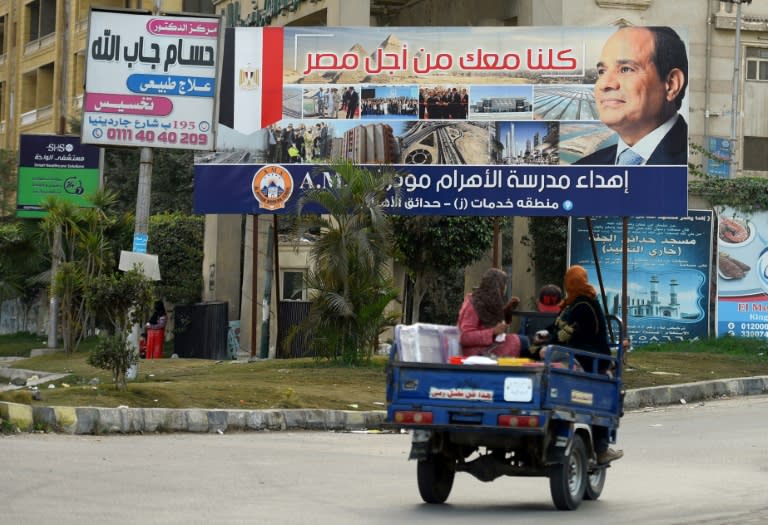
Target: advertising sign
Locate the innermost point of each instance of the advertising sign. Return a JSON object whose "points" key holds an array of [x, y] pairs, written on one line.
{"points": [[516, 113], [55, 166], [720, 166], [742, 274], [668, 278], [150, 80], [446, 190]]}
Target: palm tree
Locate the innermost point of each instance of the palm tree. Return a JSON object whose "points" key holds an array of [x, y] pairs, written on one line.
{"points": [[80, 252], [349, 283]]}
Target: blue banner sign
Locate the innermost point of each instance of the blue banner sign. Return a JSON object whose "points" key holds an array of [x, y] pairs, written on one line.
{"points": [[720, 166], [457, 190], [669, 262]]}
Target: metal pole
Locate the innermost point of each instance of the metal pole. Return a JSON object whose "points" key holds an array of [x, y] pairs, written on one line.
{"points": [[599, 272], [267, 299], [143, 192], [276, 243], [735, 90], [254, 281], [624, 291]]}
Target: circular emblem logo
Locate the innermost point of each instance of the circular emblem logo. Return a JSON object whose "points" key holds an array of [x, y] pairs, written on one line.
{"points": [[272, 186]]}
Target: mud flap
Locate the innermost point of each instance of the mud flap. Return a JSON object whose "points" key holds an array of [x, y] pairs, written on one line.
{"points": [[420, 445]]}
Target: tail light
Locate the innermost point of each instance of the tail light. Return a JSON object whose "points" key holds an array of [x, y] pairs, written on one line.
{"points": [[508, 420], [410, 416]]}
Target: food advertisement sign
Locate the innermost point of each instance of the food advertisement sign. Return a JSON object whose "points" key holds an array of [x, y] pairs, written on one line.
{"points": [[150, 80], [742, 274], [475, 120]]}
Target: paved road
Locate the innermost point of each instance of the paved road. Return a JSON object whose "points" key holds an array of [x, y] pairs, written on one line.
{"points": [[702, 464]]}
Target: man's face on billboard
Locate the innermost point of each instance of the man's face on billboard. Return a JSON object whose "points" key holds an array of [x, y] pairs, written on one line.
{"points": [[631, 98]]}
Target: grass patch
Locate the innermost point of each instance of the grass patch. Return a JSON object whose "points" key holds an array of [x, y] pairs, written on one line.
{"points": [[307, 383], [20, 344], [752, 349], [690, 361]]}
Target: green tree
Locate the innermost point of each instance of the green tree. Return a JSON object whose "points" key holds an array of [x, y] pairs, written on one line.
{"points": [[22, 263], [348, 283], [172, 178], [7, 182], [177, 239], [547, 240], [431, 247], [78, 239], [119, 300]]}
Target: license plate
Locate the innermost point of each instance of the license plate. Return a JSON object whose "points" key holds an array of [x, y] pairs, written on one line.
{"points": [[518, 389]]}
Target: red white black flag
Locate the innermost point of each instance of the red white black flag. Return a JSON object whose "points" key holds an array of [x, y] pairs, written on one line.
{"points": [[251, 94]]}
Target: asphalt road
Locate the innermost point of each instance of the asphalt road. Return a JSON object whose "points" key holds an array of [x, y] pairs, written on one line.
{"points": [[701, 463]]}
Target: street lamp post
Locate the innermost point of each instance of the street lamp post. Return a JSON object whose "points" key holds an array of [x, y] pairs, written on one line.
{"points": [[736, 83]]}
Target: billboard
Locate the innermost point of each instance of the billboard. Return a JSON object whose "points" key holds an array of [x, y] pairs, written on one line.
{"points": [[150, 80], [520, 112], [742, 274], [668, 277], [55, 166]]}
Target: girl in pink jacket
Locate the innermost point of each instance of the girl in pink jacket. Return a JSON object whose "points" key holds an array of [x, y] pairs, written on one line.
{"points": [[482, 325]]}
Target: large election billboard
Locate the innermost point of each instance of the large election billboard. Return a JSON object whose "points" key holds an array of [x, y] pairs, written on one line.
{"points": [[150, 80], [476, 121]]}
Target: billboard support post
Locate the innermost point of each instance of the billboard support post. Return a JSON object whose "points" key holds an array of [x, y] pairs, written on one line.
{"points": [[735, 93], [141, 225]]}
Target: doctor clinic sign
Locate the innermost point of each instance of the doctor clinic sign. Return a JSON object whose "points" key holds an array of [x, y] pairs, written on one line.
{"points": [[150, 80]]}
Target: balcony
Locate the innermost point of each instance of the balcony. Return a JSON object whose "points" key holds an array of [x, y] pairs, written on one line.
{"points": [[30, 117], [40, 44]]}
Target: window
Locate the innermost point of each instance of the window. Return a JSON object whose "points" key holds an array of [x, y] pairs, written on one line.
{"points": [[293, 286], [755, 153], [3, 25], [757, 64]]}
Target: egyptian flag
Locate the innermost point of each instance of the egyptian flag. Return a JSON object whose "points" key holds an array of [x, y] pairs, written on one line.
{"points": [[251, 94]]}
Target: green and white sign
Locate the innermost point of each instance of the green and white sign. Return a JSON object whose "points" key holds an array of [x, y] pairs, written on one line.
{"points": [[58, 166]]}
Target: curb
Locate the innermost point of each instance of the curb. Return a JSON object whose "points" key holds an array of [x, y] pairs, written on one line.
{"points": [[93, 420], [698, 391], [124, 420]]}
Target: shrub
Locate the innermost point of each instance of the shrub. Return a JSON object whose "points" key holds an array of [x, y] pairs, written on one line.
{"points": [[113, 353]]}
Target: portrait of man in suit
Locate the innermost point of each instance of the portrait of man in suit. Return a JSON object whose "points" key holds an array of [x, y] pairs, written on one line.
{"points": [[642, 77]]}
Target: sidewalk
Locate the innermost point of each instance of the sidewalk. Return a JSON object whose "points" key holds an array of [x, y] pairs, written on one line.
{"points": [[90, 420]]}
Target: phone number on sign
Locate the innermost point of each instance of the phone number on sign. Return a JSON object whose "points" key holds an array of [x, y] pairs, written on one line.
{"points": [[157, 137]]}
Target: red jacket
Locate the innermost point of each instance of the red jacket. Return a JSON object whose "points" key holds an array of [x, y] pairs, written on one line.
{"points": [[477, 339]]}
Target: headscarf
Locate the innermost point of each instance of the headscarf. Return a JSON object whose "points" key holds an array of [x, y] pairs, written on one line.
{"points": [[576, 284], [488, 298]]}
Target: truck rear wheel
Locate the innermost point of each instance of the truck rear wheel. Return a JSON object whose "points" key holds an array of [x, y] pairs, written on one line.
{"points": [[568, 479], [595, 484], [435, 477]]}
